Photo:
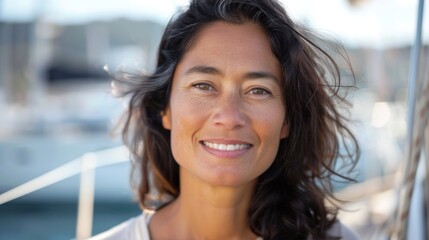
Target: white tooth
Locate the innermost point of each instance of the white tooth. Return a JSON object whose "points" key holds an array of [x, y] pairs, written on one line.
{"points": [[230, 147], [226, 147]]}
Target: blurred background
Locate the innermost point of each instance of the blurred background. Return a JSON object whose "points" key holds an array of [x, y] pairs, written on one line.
{"points": [[56, 105]]}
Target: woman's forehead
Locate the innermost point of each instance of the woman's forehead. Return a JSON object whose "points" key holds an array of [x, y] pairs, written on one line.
{"points": [[227, 45]]}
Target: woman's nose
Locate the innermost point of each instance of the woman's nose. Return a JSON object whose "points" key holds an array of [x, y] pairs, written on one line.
{"points": [[229, 112]]}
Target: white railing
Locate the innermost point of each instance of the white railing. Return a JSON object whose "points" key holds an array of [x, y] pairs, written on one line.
{"points": [[85, 166]]}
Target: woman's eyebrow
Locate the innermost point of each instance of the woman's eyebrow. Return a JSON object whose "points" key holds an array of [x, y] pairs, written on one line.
{"points": [[204, 69], [214, 71], [261, 74]]}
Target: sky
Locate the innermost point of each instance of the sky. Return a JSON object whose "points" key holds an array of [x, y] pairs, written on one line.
{"points": [[376, 23]]}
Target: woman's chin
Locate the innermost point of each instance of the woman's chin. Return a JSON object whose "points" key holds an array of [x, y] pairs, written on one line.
{"points": [[226, 178]]}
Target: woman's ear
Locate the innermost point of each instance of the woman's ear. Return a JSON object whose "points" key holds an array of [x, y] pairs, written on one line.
{"points": [[285, 130], [166, 118]]}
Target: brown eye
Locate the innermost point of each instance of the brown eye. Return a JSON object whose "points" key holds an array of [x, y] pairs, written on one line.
{"points": [[259, 91], [203, 86]]}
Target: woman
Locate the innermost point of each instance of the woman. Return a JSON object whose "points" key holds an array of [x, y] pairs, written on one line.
{"points": [[235, 135]]}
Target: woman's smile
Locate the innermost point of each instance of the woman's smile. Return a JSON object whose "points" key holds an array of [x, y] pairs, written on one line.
{"points": [[226, 149]]}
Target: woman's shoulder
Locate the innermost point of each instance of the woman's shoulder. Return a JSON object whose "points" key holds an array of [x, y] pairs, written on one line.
{"points": [[135, 228], [338, 229], [341, 231]]}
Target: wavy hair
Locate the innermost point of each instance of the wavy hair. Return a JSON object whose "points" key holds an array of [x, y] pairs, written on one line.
{"points": [[289, 198]]}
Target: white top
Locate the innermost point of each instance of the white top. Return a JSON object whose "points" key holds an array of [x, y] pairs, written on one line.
{"points": [[137, 229]]}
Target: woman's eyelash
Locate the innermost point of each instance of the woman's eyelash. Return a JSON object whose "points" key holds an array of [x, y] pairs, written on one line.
{"points": [[203, 86], [259, 91], [209, 87]]}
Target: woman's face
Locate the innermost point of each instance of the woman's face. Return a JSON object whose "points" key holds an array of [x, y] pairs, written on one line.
{"points": [[226, 112]]}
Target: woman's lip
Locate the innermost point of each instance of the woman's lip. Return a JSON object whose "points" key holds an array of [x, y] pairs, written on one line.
{"points": [[226, 147], [225, 141], [232, 149]]}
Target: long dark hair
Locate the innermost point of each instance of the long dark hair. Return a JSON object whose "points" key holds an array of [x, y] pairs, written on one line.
{"points": [[289, 198]]}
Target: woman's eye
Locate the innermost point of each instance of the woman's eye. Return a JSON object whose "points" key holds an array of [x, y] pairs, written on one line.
{"points": [[259, 91], [203, 86]]}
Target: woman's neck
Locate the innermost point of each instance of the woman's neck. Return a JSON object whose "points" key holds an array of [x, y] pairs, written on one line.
{"points": [[205, 212]]}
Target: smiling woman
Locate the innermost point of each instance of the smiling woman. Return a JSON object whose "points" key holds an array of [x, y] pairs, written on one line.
{"points": [[236, 133], [226, 111]]}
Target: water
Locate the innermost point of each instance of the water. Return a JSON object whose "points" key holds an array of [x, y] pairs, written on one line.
{"points": [[56, 221]]}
